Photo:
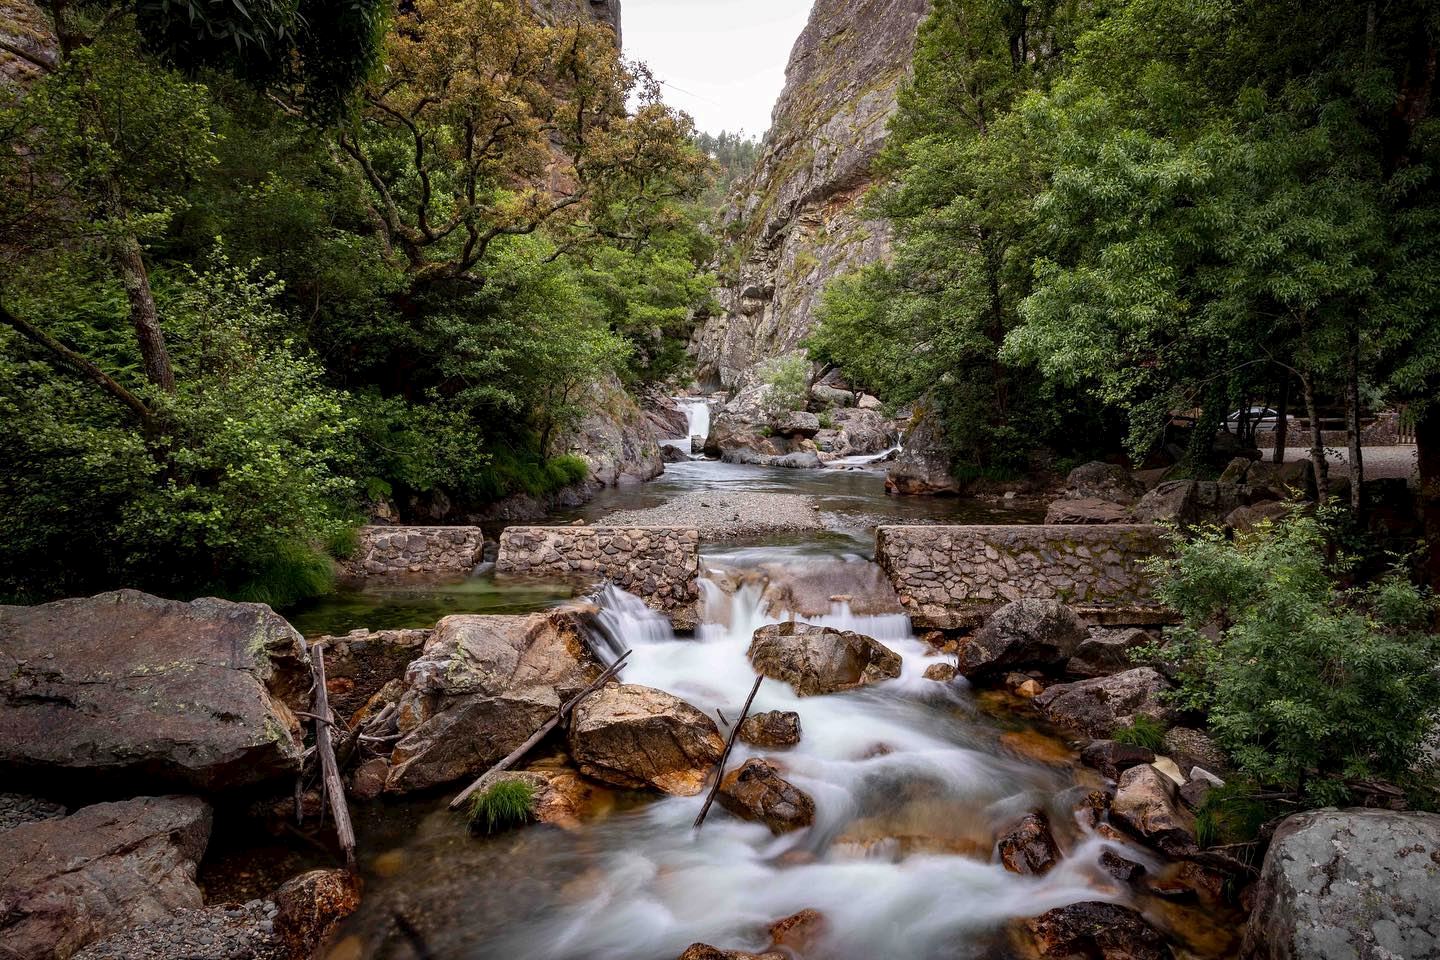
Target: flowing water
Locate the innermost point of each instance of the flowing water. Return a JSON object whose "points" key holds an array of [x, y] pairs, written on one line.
{"points": [[913, 781]]}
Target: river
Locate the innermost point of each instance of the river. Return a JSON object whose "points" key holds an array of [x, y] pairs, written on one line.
{"points": [[912, 781]]}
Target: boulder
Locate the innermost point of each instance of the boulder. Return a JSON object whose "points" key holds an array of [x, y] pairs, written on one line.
{"points": [[1122, 869], [1105, 652], [560, 793], [1023, 633], [797, 423], [772, 729], [861, 432], [942, 672], [1189, 502], [819, 660], [1146, 804], [637, 737], [309, 908], [1097, 931], [756, 791], [1191, 748], [1086, 511], [800, 933], [827, 396], [799, 460], [1348, 883], [1112, 758], [1104, 483], [703, 951], [923, 466], [69, 881], [482, 687], [131, 689], [1096, 707], [1028, 848], [1249, 517]]}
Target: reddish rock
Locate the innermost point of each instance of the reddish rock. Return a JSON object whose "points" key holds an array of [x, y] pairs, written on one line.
{"points": [[799, 933], [1097, 931], [772, 729], [703, 951], [1120, 868], [311, 906], [820, 660], [756, 791], [637, 737], [1028, 848], [941, 672]]}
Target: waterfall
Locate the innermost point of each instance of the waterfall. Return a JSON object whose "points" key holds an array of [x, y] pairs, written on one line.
{"points": [[697, 413]]}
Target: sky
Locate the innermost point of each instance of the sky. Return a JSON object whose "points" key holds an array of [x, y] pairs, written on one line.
{"points": [[722, 61]]}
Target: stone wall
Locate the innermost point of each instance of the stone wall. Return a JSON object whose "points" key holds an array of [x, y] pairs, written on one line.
{"points": [[661, 565], [951, 577], [385, 551]]}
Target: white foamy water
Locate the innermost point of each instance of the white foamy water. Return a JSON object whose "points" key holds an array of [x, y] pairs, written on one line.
{"points": [[864, 459]]}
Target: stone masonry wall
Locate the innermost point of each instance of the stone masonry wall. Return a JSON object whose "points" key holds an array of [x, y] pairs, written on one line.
{"points": [[661, 565], [951, 577], [386, 551]]}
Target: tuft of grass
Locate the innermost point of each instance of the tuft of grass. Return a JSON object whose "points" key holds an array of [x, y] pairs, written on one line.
{"points": [[1143, 731], [507, 804], [1233, 814], [295, 572]]}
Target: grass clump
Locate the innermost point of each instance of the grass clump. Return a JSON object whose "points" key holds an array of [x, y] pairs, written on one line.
{"points": [[501, 806], [1142, 731]]}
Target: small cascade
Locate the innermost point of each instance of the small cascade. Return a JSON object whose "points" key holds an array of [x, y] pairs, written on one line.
{"points": [[622, 622], [864, 460]]}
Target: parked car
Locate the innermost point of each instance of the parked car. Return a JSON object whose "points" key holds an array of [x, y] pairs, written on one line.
{"points": [[1260, 417]]}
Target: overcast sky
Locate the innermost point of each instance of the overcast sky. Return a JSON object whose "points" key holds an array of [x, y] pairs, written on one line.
{"points": [[723, 61]]}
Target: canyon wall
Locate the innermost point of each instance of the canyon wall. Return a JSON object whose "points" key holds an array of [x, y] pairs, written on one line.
{"points": [[27, 46], [605, 11], [798, 214]]}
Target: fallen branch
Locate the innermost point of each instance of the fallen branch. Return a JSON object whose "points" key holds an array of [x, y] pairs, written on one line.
{"points": [[560, 714], [729, 746], [333, 788]]}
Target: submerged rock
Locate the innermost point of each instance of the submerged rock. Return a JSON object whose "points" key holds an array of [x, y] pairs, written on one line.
{"points": [[126, 687], [1146, 804], [1097, 707], [69, 881], [1028, 848], [819, 660], [1097, 931], [1023, 633], [1349, 883], [756, 791], [775, 728], [483, 686], [638, 737], [799, 933]]}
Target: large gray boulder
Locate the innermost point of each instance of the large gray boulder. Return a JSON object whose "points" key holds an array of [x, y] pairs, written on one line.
{"points": [[1190, 502], [819, 660], [482, 687], [128, 688], [923, 466], [638, 737], [1097, 707], [1023, 633], [1343, 884], [1105, 482], [69, 881], [1105, 652]]}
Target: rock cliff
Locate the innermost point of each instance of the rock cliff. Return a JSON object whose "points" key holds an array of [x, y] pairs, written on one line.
{"points": [[605, 11], [27, 46], [798, 216]]}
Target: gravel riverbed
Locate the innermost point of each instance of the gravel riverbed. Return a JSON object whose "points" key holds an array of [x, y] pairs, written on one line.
{"points": [[720, 516]]}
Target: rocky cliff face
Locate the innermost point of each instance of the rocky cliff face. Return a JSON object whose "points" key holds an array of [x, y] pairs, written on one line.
{"points": [[27, 46], [798, 213], [605, 11]]}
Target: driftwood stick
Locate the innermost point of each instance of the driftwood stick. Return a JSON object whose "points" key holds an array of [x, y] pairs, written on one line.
{"points": [[334, 789], [724, 757], [543, 732]]}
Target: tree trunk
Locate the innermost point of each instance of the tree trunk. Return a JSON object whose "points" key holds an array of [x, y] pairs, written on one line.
{"points": [[1352, 422], [1317, 442], [1282, 420], [1427, 443], [154, 355]]}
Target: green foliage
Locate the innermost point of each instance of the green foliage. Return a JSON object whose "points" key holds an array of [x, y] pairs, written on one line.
{"points": [[1306, 684], [501, 806], [1234, 814], [734, 156], [1142, 731], [787, 383]]}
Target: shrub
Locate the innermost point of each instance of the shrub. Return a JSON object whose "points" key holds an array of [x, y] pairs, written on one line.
{"points": [[1143, 731], [1306, 684], [788, 382], [501, 806]]}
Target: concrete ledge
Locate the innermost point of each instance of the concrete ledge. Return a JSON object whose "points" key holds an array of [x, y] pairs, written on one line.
{"points": [[660, 565], [952, 577], [386, 551]]}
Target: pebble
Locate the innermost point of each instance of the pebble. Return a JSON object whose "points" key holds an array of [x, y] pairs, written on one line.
{"points": [[737, 515], [223, 932], [19, 808]]}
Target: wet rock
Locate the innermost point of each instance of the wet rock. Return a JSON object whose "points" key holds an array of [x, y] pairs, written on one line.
{"points": [[1189, 502], [1023, 686], [923, 466], [1106, 652], [820, 660], [1192, 748], [69, 881], [703, 951], [560, 794], [483, 686], [638, 737], [1086, 511], [368, 780], [1028, 848], [1023, 633], [1147, 805], [311, 906], [799, 933], [1097, 931], [19, 808], [364, 664], [772, 729], [1126, 871], [226, 931], [756, 791], [1348, 883], [942, 672], [1112, 758], [131, 688], [1097, 707]]}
